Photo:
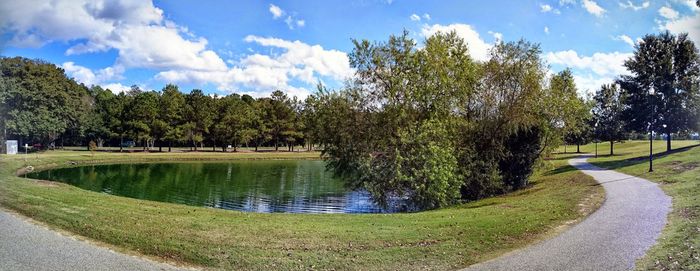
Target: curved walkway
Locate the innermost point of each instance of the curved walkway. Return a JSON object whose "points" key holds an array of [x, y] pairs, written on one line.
{"points": [[26, 246], [612, 238]]}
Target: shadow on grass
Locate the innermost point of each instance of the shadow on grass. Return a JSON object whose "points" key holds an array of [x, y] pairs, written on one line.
{"points": [[639, 159]]}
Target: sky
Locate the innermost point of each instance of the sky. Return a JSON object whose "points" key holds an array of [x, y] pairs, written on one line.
{"points": [[256, 47]]}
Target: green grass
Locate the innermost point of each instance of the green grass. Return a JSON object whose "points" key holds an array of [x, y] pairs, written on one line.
{"points": [[219, 239], [678, 173]]}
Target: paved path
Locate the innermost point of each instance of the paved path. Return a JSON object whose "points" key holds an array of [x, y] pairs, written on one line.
{"points": [[26, 246], [612, 238]]}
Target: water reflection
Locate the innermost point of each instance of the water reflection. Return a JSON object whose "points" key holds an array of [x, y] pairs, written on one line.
{"points": [[268, 186]]}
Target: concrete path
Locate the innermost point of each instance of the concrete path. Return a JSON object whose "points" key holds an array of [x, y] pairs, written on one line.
{"points": [[26, 246], [612, 238]]}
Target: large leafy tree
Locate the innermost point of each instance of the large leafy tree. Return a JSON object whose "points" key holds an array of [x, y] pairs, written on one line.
{"points": [[670, 65], [39, 102], [608, 115]]}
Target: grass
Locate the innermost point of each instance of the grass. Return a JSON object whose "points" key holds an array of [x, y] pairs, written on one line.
{"points": [[442, 239], [678, 173]]}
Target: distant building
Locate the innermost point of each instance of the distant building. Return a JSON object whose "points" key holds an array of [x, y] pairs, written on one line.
{"points": [[11, 146]]}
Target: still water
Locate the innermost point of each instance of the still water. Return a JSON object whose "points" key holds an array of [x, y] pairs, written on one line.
{"points": [[266, 186]]}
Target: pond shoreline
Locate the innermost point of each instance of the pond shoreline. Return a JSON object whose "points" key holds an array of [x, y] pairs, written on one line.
{"points": [[447, 238]]}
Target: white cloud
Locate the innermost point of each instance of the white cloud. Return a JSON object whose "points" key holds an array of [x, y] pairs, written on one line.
{"points": [[478, 48], [567, 2], [414, 17], [668, 13], [630, 5], [276, 11], [498, 37], [426, 16], [545, 8], [686, 24], [88, 77], [265, 73], [546, 30], [599, 63], [136, 29], [293, 23], [625, 39], [116, 87], [593, 8], [142, 38]]}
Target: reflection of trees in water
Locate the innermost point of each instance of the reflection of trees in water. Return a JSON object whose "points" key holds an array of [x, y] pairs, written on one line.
{"points": [[261, 186]]}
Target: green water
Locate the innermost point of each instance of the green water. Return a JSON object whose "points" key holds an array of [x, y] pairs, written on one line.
{"points": [[290, 186]]}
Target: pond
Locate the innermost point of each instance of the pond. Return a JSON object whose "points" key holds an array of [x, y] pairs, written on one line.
{"points": [[266, 186]]}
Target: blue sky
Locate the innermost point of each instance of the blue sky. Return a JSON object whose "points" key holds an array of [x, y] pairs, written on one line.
{"points": [[256, 47]]}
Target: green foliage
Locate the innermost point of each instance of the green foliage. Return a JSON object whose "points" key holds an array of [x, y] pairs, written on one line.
{"points": [[39, 102], [607, 114], [671, 66], [432, 125]]}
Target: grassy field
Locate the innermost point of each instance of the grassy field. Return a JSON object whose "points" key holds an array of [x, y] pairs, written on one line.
{"points": [[678, 173], [219, 239]]}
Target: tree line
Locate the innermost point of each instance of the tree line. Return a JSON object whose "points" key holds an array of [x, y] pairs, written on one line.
{"points": [[41, 105], [423, 123], [660, 95]]}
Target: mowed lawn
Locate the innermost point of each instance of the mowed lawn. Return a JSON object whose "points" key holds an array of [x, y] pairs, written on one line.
{"points": [[442, 239], [678, 173]]}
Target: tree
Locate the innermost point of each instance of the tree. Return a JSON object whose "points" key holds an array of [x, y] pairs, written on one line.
{"points": [[670, 65], [200, 116], [40, 103], [143, 118], [570, 112], [172, 108], [607, 114], [280, 117], [234, 124]]}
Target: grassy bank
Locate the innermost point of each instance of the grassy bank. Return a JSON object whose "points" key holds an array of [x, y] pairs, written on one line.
{"points": [[678, 173], [442, 239]]}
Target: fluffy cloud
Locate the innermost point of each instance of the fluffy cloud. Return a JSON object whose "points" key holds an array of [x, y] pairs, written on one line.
{"points": [[414, 17], [87, 76], [591, 71], [546, 30], [625, 39], [630, 5], [686, 24], [478, 48], [593, 8], [668, 13], [300, 61], [136, 29], [276, 11], [142, 38], [545, 8]]}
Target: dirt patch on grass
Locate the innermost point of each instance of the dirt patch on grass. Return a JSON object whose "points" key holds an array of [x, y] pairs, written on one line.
{"points": [[46, 183], [678, 167]]}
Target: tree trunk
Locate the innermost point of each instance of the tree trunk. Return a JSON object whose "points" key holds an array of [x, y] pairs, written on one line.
{"points": [[277, 145], [668, 142], [611, 147], [578, 148], [170, 146], [121, 143]]}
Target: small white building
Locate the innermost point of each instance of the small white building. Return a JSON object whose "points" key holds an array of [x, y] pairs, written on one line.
{"points": [[11, 146]]}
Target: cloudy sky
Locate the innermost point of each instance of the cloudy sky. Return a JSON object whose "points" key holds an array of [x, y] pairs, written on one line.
{"points": [[256, 47]]}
